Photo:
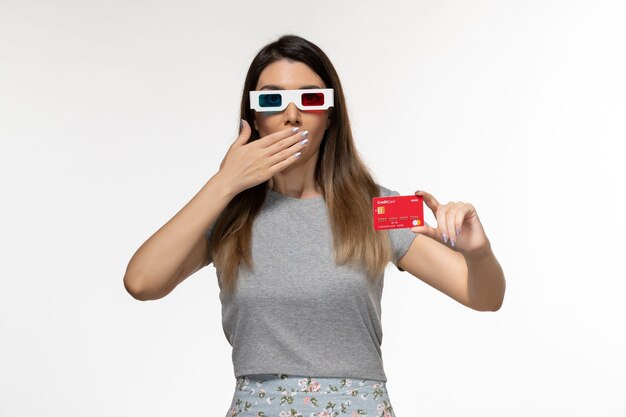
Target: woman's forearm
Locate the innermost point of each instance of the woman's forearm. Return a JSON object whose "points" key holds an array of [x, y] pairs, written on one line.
{"points": [[486, 283], [155, 267]]}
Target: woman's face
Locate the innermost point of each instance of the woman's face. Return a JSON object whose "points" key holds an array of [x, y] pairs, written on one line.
{"points": [[294, 75]]}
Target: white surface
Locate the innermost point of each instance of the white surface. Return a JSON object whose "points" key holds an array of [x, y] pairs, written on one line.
{"points": [[113, 115]]}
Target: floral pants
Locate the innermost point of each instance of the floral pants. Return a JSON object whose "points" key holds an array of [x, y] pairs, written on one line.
{"points": [[279, 395]]}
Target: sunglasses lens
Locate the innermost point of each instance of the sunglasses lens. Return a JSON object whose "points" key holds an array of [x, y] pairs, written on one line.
{"points": [[312, 99], [270, 100]]}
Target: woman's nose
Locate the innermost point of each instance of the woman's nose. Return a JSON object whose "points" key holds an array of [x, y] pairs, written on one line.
{"points": [[292, 114]]}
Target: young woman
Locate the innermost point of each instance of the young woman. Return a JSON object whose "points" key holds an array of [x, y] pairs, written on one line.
{"points": [[288, 225]]}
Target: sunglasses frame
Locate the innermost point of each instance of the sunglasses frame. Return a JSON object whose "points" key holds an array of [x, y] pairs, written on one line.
{"points": [[292, 96]]}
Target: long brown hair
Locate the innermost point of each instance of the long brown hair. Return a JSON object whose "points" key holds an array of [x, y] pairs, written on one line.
{"points": [[346, 183]]}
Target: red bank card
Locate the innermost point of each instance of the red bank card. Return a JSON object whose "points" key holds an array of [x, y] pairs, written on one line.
{"points": [[397, 212]]}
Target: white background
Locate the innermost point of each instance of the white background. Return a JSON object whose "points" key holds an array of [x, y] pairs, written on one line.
{"points": [[113, 114]]}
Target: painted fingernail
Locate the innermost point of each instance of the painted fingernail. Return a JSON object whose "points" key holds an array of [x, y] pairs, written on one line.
{"points": [[295, 129], [297, 154], [445, 238], [452, 241], [458, 231], [304, 142], [304, 134]]}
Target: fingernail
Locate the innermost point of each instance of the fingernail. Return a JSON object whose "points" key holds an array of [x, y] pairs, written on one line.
{"points": [[295, 129], [297, 154], [452, 241], [458, 231], [445, 238], [305, 134], [304, 142]]}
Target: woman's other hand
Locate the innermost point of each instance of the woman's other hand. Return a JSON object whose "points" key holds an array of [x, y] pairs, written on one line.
{"points": [[248, 164], [457, 226]]}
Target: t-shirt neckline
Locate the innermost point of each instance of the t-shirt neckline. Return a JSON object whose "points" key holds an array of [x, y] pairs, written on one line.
{"points": [[287, 198]]}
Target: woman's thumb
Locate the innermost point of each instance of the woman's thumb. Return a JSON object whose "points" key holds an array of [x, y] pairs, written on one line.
{"points": [[244, 132]]}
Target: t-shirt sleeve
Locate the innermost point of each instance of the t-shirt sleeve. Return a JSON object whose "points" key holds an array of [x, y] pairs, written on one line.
{"points": [[401, 239]]}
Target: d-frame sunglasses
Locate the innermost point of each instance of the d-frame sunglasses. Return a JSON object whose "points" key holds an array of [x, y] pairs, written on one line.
{"points": [[277, 100]]}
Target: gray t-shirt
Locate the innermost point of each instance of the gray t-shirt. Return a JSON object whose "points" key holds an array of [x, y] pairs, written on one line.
{"points": [[298, 313]]}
